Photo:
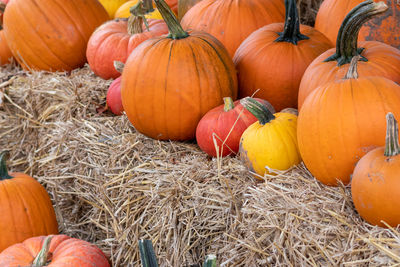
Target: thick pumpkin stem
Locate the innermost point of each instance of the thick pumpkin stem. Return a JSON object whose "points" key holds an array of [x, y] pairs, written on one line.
{"points": [[3, 166], [258, 110], [175, 29], [42, 258], [392, 147], [352, 72], [228, 104], [136, 18], [291, 32], [346, 43]]}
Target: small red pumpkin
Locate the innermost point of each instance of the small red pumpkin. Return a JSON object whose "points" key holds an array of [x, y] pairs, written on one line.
{"points": [[57, 250], [225, 124], [114, 101]]}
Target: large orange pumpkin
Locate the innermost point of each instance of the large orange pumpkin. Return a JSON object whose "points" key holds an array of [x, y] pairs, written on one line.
{"points": [[342, 120], [51, 34], [384, 29], [170, 82], [115, 40], [232, 21], [5, 52], [375, 186], [57, 250], [376, 58], [272, 60], [25, 208]]}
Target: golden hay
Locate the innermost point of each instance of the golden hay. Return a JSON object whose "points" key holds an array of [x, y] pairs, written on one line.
{"points": [[113, 186]]}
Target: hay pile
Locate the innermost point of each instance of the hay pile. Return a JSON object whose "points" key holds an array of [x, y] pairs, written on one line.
{"points": [[112, 186]]}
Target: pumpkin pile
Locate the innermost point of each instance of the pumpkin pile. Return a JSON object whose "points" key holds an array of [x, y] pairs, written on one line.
{"points": [[228, 73]]}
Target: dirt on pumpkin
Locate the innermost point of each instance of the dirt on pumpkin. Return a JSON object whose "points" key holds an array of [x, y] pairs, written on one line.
{"points": [[113, 186]]}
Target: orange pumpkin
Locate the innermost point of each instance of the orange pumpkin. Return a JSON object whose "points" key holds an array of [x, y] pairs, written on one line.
{"points": [[115, 40], [51, 34], [169, 83], [25, 208], [272, 60], [184, 6], [342, 120], [383, 29], [232, 21], [375, 185], [5, 52], [58, 250], [376, 58]]}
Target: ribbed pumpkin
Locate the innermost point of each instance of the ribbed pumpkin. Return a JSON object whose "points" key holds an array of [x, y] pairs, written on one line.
{"points": [[270, 143], [112, 5], [342, 120], [170, 82], [114, 101], [225, 124], [272, 59], [51, 34], [232, 21], [115, 40], [375, 186], [384, 29], [57, 250], [376, 58], [184, 6], [25, 208]]}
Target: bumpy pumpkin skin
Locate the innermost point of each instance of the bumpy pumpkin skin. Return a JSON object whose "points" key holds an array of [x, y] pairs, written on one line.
{"points": [[232, 21], [383, 29], [274, 69], [5, 52], [51, 34], [26, 210], [189, 77], [273, 145], [343, 120], [64, 251], [112, 42], [383, 60]]}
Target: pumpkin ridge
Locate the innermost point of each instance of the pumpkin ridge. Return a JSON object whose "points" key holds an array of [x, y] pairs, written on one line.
{"points": [[198, 74], [7, 194]]}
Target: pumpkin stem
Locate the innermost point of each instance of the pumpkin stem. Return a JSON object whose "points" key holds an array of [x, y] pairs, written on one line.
{"points": [[42, 258], [175, 29], [136, 18], [258, 110], [228, 104], [119, 66], [3, 167], [352, 72], [147, 254], [346, 42], [291, 32], [392, 147]]}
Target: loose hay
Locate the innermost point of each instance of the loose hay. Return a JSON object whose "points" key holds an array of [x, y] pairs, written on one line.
{"points": [[112, 186]]}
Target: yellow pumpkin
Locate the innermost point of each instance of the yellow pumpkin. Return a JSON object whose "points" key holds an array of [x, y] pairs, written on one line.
{"points": [[124, 11], [112, 5], [271, 142]]}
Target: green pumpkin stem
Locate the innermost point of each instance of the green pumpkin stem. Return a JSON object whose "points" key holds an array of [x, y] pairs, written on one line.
{"points": [[346, 42], [148, 5], [392, 147], [352, 71], [228, 104], [258, 110], [42, 258], [3, 166], [147, 254], [291, 32], [175, 29], [136, 18]]}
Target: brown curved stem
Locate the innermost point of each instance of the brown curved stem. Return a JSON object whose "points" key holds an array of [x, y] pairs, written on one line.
{"points": [[175, 29], [258, 110], [228, 104], [42, 258], [137, 18], [352, 72], [291, 32], [3, 166], [392, 147]]}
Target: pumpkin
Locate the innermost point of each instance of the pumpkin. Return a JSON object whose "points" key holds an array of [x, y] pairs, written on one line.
{"points": [[57, 40], [114, 101], [375, 185], [25, 208], [231, 21], [184, 6], [112, 5], [225, 124], [383, 29], [115, 40], [272, 60], [170, 82], [342, 120], [270, 143], [376, 58], [53, 250], [124, 10], [5, 52]]}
